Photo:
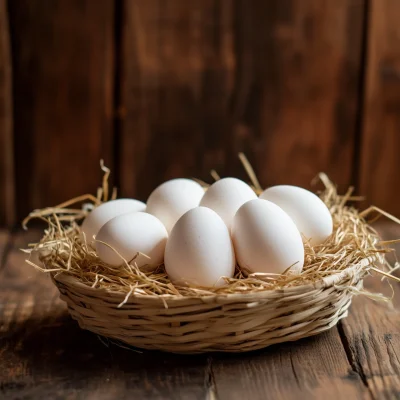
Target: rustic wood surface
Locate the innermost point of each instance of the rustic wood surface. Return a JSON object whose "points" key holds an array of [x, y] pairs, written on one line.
{"points": [[203, 80], [7, 204], [63, 86], [380, 139], [44, 354]]}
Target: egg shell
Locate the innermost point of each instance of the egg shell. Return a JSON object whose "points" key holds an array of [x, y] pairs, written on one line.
{"points": [[225, 197], [169, 201], [129, 234], [266, 239], [307, 210], [106, 211], [199, 250]]}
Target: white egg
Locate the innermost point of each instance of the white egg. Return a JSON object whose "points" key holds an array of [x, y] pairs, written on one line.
{"points": [[307, 210], [225, 196], [129, 234], [199, 250], [266, 239], [169, 201], [106, 211]]}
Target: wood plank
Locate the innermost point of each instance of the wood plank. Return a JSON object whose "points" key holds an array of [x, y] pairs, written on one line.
{"points": [[4, 244], [372, 339], [310, 368], [309, 72], [63, 75], [44, 354], [371, 336], [202, 80], [380, 161], [176, 79], [7, 205]]}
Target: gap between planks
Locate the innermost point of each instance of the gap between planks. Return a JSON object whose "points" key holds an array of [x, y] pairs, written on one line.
{"points": [[6, 243], [354, 363]]}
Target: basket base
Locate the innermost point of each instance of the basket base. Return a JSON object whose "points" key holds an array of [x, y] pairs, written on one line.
{"points": [[237, 323]]}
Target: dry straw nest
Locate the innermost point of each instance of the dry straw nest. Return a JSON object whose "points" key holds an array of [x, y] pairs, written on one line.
{"points": [[145, 310]]}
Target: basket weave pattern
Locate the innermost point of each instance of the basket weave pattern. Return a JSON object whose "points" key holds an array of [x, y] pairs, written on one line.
{"points": [[227, 323]]}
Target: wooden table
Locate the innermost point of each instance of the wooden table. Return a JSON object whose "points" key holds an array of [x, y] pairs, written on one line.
{"points": [[44, 354]]}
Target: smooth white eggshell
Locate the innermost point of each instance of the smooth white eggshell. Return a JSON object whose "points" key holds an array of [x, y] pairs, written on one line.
{"points": [[169, 201], [266, 239], [106, 211], [199, 250], [225, 196], [307, 210], [129, 234]]}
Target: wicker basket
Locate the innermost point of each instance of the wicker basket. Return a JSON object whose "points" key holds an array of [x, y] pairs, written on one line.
{"points": [[226, 323]]}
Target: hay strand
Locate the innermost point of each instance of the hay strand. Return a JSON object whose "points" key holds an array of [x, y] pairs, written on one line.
{"points": [[215, 175], [250, 172]]}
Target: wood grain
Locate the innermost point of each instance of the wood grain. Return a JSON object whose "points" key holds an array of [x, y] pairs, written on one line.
{"points": [[177, 76], [380, 161], [7, 204], [203, 80], [4, 245], [372, 341], [314, 368], [44, 354], [63, 86], [372, 335]]}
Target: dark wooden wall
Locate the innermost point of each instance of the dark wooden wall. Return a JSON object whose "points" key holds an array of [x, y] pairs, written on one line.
{"points": [[162, 89]]}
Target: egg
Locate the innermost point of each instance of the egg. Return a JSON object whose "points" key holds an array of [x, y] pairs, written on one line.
{"points": [[307, 210], [169, 201], [129, 234], [266, 239], [106, 211], [225, 196], [199, 250]]}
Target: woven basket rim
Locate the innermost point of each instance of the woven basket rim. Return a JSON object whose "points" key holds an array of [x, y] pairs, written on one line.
{"points": [[331, 280]]}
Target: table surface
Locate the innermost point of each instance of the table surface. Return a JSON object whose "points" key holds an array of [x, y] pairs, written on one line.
{"points": [[44, 354]]}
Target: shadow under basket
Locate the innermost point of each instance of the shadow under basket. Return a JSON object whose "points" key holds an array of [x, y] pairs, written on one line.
{"points": [[218, 322]]}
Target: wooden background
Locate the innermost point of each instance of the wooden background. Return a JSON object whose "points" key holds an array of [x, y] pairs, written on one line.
{"points": [[164, 89]]}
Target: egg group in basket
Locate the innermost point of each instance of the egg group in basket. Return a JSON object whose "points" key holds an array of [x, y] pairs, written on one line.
{"points": [[202, 234]]}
